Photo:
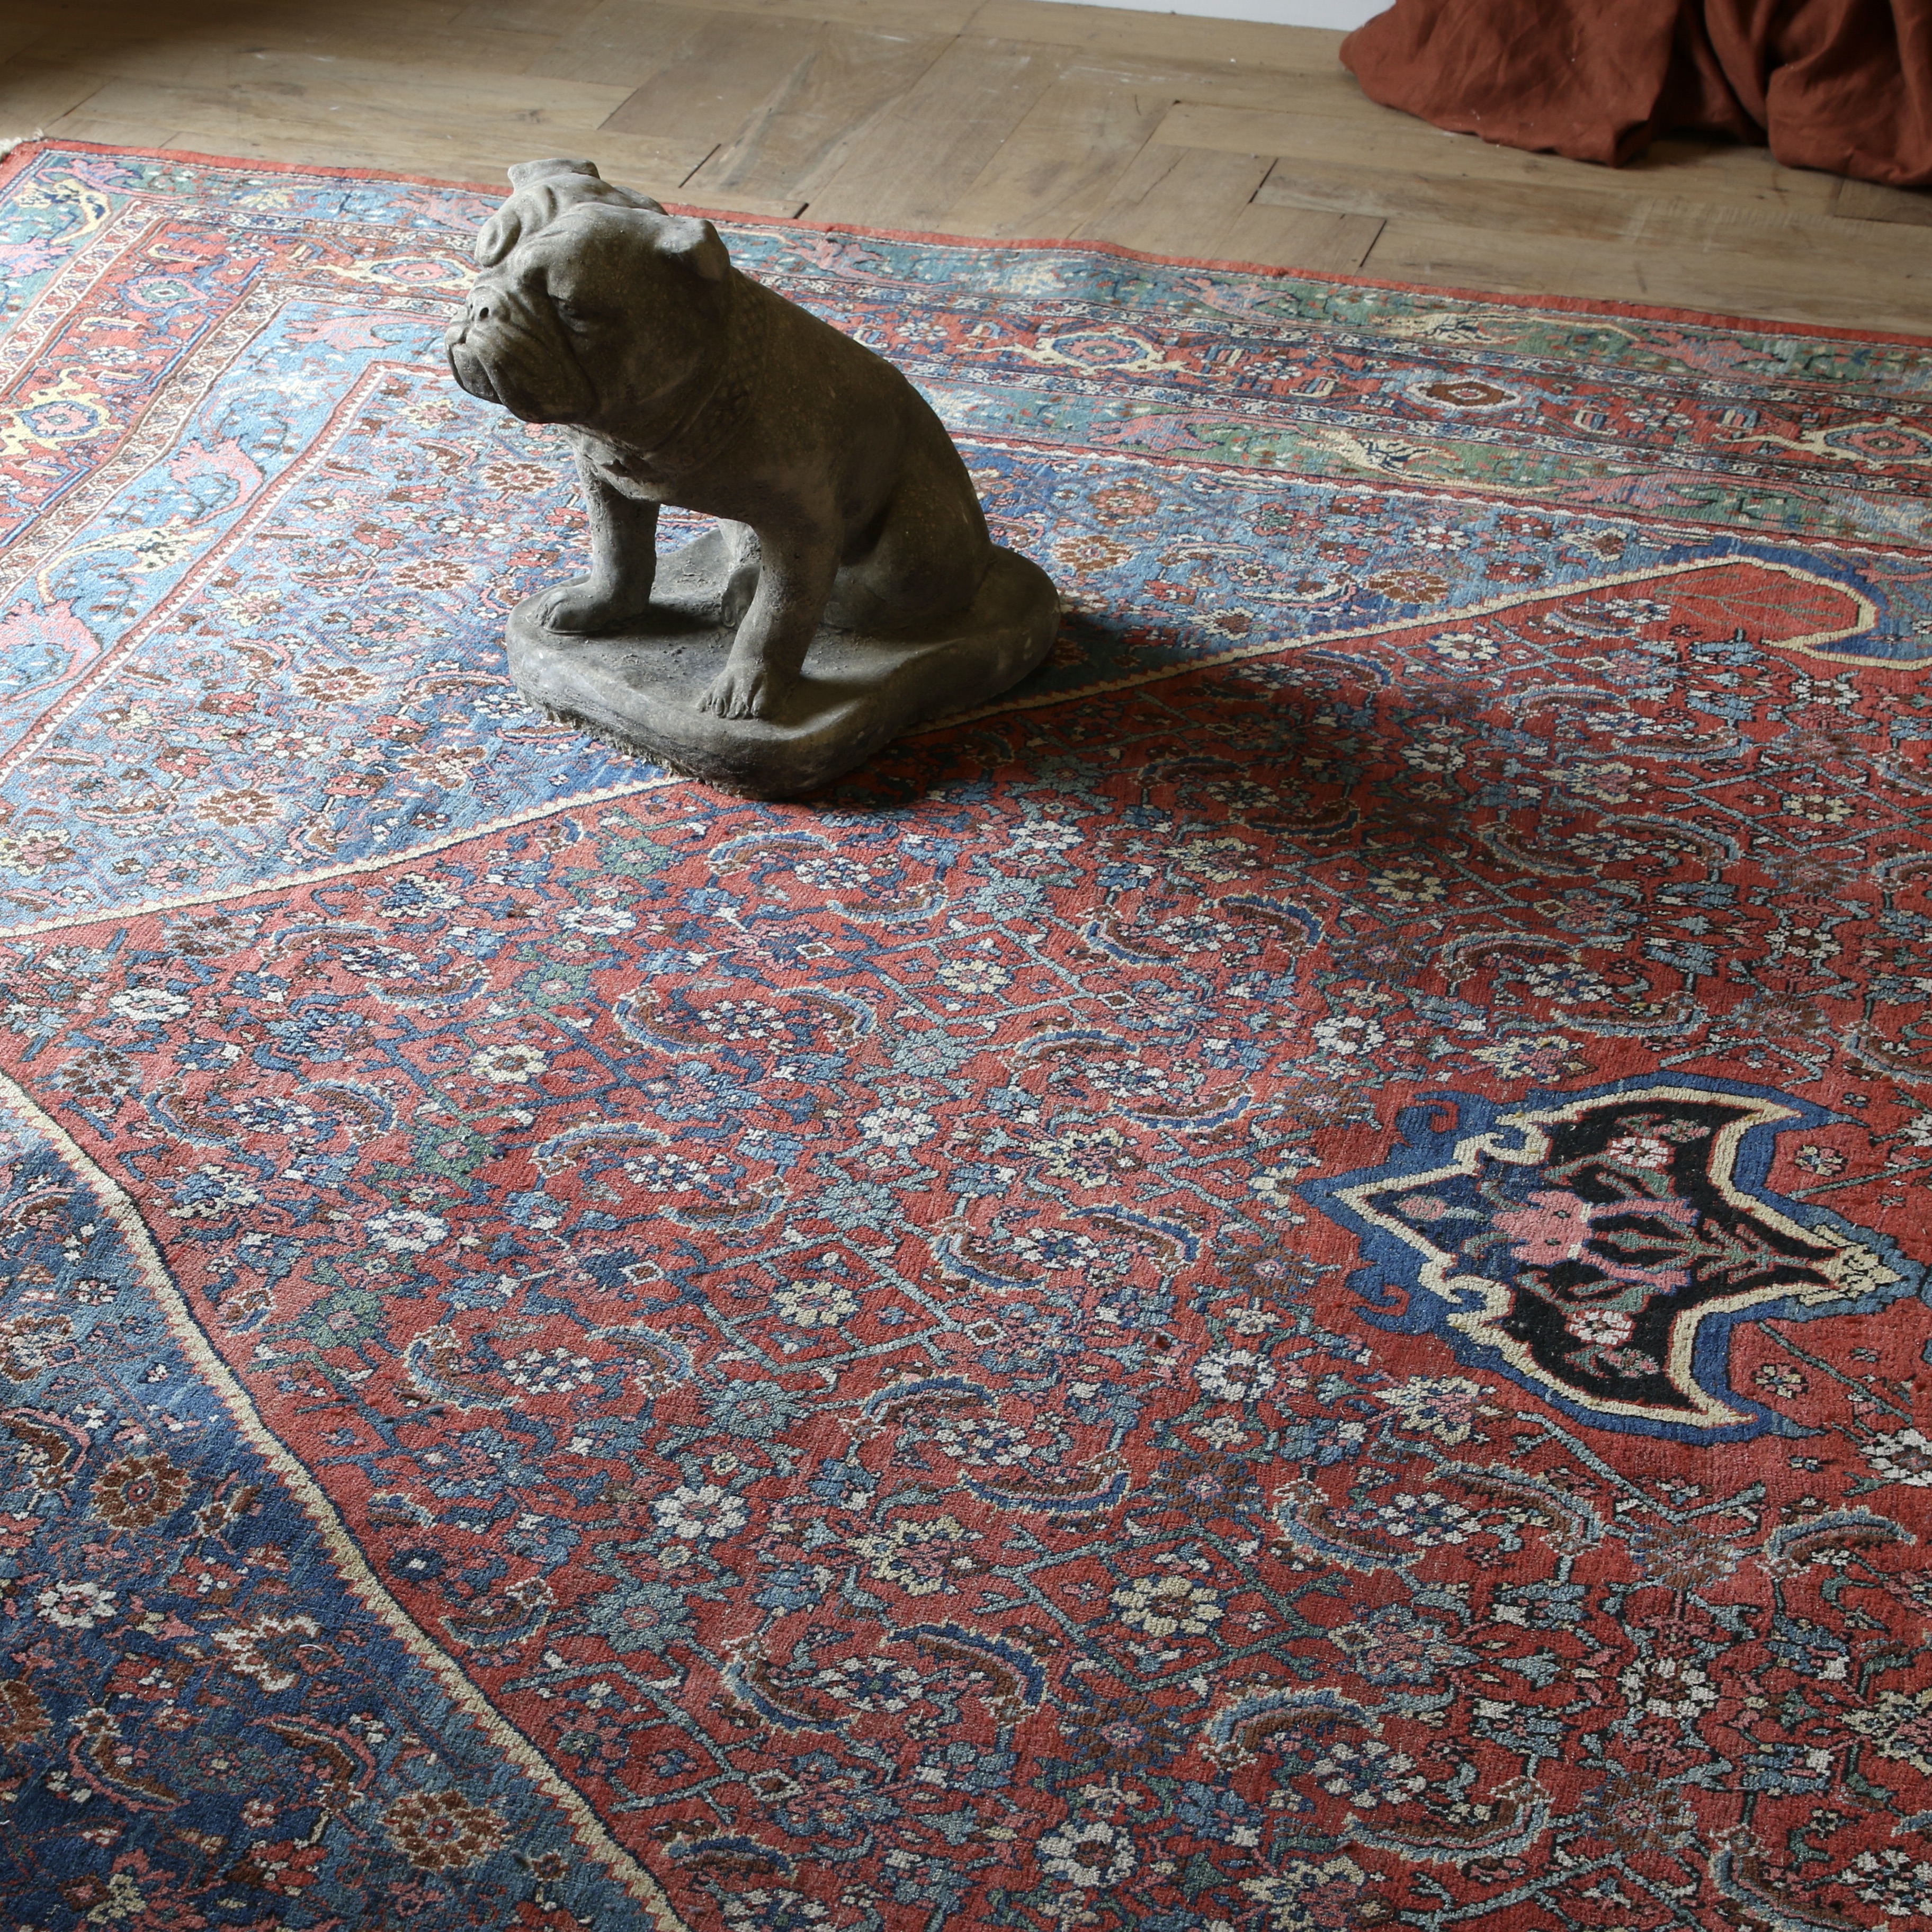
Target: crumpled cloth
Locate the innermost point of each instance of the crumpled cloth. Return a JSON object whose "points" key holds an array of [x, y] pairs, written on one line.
{"points": [[1842, 85]]}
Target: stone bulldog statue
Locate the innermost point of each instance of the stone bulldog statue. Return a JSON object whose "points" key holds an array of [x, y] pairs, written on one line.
{"points": [[851, 591]]}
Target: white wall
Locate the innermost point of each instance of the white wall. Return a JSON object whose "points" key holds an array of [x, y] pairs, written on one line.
{"points": [[1341, 13]]}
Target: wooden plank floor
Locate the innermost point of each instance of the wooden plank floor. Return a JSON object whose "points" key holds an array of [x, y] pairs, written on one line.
{"points": [[1210, 138]]}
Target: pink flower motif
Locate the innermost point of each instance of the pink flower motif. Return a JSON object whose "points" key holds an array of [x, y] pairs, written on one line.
{"points": [[1556, 1226]]}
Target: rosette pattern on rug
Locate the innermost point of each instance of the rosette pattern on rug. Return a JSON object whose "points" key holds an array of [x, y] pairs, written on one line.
{"points": [[1280, 1284]]}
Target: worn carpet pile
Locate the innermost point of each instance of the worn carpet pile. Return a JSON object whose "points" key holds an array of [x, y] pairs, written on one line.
{"points": [[1279, 1284]]}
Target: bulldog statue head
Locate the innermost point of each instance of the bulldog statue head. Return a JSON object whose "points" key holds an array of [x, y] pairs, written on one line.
{"points": [[845, 526], [590, 301]]}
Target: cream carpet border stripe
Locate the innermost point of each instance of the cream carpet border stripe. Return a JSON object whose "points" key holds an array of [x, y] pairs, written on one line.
{"points": [[361, 1581], [376, 862], [1813, 646]]}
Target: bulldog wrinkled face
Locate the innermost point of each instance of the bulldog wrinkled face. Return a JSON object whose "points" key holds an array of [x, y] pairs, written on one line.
{"points": [[598, 312], [512, 346]]}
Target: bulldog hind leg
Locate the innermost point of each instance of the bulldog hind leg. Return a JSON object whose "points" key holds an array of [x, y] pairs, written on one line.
{"points": [[719, 569], [929, 557], [741, 577]]}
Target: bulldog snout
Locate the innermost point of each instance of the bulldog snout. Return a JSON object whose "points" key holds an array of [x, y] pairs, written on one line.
{"points": [[504, 348], [466, 367]]}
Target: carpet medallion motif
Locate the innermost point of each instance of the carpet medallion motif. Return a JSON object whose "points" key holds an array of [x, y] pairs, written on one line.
{"points": [[1282, 1283], [1626, 1250]]}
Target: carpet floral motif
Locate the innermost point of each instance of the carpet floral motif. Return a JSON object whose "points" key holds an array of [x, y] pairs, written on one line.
{"points": [[1281, 1284], [1603, 1263]]}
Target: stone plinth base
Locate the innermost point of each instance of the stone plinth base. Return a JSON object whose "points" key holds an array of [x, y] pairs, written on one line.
{"points": [[639, 688]]}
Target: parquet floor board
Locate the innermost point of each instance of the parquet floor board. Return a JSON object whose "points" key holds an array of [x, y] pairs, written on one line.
{"points": [[1867, 201], [553, 17], [411, 50], [623, 43], [1057, 169], [718, 81], [1177, 201], [838, 84], [33, 94], [1119, 33], [1224, 140], [917, 160], [1855, 282]]}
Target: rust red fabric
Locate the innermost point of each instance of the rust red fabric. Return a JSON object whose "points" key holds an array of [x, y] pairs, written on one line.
{"points": [[1841, 85]]}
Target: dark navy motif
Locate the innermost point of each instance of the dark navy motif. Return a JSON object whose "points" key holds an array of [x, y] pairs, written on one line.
{"points": [[1598, 1249]]}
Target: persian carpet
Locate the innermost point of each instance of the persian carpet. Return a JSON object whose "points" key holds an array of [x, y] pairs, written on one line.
{"points": [[1280, 1283]]}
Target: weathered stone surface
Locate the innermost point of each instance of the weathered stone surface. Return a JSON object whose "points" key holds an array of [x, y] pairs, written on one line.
{"points": [[852, 592], [643, 689]]}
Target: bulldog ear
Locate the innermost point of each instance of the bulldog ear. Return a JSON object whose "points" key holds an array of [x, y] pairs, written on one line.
{"points": [[540, 192], [567, 178], [505, 229], [694, 244], [525, 172], [498, 235]]}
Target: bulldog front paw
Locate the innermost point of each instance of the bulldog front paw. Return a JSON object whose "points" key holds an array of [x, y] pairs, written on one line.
{"points": [[580, 610], [737, 692]]}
